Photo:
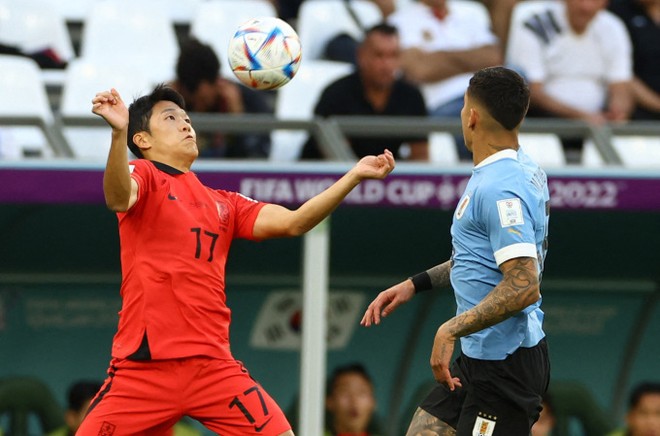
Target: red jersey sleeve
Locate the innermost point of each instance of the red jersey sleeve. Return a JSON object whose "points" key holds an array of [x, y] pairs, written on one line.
{"points": [[246, 212], [144, 173]]}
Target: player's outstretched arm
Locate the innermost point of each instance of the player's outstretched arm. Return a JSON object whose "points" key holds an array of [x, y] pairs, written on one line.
{"points": [[277, 221], [119, 189], [391, 298]]}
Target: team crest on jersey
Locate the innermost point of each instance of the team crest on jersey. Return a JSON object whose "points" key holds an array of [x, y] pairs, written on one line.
{"points": [[223, 213], [510, 212], [462, 206], [484, 425], [107, 429]]}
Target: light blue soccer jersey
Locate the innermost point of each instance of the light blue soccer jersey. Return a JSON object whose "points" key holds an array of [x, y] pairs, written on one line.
{"points": [[503, 214]]}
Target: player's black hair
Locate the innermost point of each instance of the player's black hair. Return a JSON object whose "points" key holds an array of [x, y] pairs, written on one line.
{"points": [[642, 389], [197, 63], [504, 94], [81, 392], [352, 368], [139, 112], [384, 28]]}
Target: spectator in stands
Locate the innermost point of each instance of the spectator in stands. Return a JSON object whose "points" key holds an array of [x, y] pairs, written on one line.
{"points": [[374, 89], [350, 402], [442, 48], [642, 18], [500, 17], [577, 59], [204, 90], [80, 395], [287, 9], [643, 418], [546, 422], [343, 47]]}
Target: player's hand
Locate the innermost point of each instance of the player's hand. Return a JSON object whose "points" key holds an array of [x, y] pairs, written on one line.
{"points": [[443, 348], [110, 106], [387, 301], [375, 167]]}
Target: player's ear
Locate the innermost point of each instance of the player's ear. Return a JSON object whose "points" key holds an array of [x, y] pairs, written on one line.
{"points": [[473, 118], [141, 140]]}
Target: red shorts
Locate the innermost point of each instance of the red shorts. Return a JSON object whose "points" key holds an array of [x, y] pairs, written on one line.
{"points": [[148, 398]]}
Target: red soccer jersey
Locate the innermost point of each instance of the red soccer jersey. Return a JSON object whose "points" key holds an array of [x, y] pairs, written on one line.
{"points": [[174, 245]]}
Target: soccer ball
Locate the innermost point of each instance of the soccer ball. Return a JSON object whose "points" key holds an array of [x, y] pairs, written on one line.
{"points": [[264, 53]]}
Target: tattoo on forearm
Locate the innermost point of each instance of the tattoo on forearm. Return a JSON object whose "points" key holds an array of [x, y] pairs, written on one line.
{"points": [[440, 275], [425, 424], [518, 289]]}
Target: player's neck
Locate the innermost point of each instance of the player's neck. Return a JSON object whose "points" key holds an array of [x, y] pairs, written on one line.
{"points": [[487, 145]]}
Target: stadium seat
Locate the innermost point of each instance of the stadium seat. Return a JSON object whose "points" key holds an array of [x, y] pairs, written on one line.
{"points": [[638, 152], [23, 94], [544, 148], [296, 101], [216, 21], [34, 25], [320, 20], [82, 81], [21, 397], [134, 33], [573, 401], [591, 157], [442, 149], [74, 11]]}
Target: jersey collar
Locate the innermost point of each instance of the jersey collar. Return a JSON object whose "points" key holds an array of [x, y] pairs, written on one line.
{"points": [[509, 153], [166, 168]]}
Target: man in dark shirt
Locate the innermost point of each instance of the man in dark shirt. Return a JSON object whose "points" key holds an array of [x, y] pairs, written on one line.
{"points": [[642, 19], [374, 89]]}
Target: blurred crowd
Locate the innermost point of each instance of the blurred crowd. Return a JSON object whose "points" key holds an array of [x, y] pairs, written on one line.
{"points": [[589, 60]]}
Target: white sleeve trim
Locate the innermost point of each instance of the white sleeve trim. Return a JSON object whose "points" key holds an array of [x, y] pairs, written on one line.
{"points": [[513, 251]]}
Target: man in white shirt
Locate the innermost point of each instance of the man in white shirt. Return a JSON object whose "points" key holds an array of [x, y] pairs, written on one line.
{"points": [[443, 45], [577, 59]]}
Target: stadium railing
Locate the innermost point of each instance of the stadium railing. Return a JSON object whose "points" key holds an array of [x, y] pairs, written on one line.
{"points": [[331, 132]]}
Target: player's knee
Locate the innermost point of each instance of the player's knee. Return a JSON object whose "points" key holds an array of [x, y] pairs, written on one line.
{"points": [[287, 433]]}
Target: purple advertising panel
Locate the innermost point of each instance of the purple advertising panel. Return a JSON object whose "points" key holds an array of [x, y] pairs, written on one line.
{"points": [[592, 191]]}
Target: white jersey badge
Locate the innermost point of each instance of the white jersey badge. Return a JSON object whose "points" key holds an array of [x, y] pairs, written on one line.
{"points": [[510, 212]]}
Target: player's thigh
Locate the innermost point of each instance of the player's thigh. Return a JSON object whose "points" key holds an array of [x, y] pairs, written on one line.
{"points": [[128, 405], [234, 404]]}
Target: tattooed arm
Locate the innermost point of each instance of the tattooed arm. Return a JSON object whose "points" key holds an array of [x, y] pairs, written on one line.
{"points": [[518, 289], [393, 297]]}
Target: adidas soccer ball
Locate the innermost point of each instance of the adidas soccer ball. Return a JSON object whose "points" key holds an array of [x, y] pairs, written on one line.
{"points": [[264, 53]]}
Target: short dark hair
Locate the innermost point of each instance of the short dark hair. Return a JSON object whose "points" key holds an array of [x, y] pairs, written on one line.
{"points": [[197, 63], [385, 28], [503, 93], [81, 392], [642, 389], [351, 368], [139, 112]]}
